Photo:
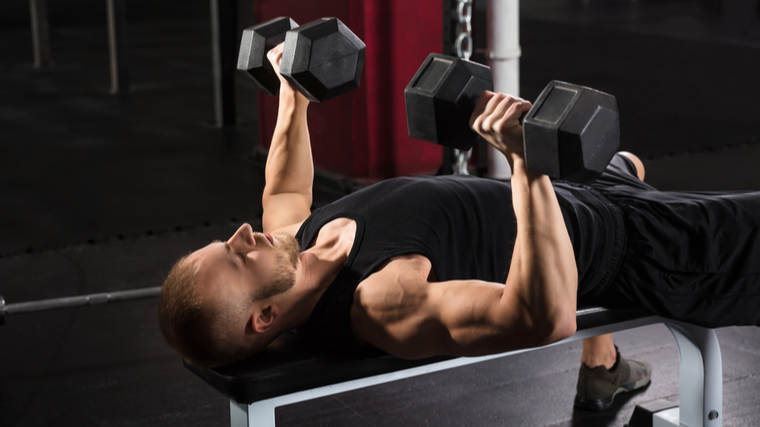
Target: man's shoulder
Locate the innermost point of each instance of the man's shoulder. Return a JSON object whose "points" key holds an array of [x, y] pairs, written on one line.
{"points": [[389, 305], [398, 268], [400, 278]]}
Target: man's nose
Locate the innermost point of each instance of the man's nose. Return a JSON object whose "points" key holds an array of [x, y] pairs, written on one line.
{"points": [[243, 238]]}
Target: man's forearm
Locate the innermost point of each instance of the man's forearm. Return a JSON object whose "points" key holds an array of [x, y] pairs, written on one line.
{"points": [[290, 167], [543, 266]]}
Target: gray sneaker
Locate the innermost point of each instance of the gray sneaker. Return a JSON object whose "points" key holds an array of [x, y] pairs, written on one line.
{"points": [[598, 387]]}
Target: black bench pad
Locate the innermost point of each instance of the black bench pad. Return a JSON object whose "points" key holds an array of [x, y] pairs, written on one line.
{"points": [[290, 364]]}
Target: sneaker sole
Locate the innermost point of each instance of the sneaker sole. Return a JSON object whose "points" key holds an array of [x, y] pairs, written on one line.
{"points": [[601, 405]]}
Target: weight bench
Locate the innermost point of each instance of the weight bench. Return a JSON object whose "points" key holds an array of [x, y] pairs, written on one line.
{"points": [[291, 371]]}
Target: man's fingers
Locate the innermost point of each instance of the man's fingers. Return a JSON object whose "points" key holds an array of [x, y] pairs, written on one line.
{"points": [[498, 107], [494, 110], [480, 123], [279, 48], [513, 112], [480, 106], [508, 116], [523, 110], [275, 55], [498, 112], [493, 103]]}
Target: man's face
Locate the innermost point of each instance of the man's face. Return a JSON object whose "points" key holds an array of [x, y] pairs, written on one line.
{"points": [[246, 262]]}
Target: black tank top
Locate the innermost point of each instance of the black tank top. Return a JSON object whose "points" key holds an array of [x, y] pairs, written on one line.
{"points": [[464, 225]]}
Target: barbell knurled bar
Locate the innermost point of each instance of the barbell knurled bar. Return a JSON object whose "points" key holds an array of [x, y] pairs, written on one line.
{"points": [[76, 301]]}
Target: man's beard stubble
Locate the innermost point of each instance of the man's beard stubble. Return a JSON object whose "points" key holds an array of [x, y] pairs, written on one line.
{"points": [[285, 273]]}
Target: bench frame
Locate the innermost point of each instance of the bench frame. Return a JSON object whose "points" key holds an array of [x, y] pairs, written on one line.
{"points": [[701, 377]]}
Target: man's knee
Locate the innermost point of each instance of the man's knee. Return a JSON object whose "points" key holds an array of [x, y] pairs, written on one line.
{"points": [[640, 171]]}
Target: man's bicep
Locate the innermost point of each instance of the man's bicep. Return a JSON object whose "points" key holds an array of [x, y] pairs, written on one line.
{"points": [[284, 210]]}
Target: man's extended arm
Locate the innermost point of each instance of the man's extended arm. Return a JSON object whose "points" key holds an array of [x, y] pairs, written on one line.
{"points": [[290, 169]]}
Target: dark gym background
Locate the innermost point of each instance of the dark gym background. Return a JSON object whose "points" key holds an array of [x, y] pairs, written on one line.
{"points": [[102, 192]]}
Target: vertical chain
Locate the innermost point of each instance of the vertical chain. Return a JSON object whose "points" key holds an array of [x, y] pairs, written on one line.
{"points": [[464, 27], [464, 47]]}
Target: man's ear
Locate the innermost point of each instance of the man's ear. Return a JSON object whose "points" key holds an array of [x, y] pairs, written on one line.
{"points": [[264, 319]]}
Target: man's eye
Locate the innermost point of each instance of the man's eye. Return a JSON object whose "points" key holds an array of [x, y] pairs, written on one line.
{"points": [[242, 257]]}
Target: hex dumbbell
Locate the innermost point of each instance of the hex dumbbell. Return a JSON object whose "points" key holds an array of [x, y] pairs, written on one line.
{"points": [[571, 132], [321, 59]]}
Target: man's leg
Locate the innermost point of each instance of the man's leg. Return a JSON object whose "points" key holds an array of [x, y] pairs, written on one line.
{"points": [[599, 351], [640, 171], [604, 374]]}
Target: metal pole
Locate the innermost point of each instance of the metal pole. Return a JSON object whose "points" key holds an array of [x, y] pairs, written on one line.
{"points": [[449, 37], [503, 52], [117, 44], [40, 32], [76, 301], [224, 59]]}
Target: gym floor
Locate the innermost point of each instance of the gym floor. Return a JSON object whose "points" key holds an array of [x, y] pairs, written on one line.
{"points": [[102, 192]]}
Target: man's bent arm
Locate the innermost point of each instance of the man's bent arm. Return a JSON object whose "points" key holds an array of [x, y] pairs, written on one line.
{"points": [[289, 169], [543, 276], [398, 310]]}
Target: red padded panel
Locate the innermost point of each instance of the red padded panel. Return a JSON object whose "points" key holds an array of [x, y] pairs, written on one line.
{"points": [[363, 134]]}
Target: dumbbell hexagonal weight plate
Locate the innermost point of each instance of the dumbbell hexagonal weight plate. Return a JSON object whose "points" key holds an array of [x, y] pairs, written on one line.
{"points": [[441, 97], [571, 132], [254, 45], [323, 59]]}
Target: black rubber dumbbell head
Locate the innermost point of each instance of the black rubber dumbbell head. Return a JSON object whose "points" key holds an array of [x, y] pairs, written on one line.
{"points": [[323, 59], [255, 43], [441, 98], [571, 132]]}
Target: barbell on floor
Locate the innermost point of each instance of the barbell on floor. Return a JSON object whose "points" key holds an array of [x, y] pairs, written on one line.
{"points": [[76, 301]]}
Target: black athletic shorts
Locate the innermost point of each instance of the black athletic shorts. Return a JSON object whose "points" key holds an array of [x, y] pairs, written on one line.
{"points": [[691, 256]]}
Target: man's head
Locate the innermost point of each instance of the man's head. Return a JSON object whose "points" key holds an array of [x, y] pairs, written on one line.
{"points": [[220, 303]]}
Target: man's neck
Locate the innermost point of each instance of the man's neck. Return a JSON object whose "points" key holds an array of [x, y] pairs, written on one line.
{"points": [[318, 266]]}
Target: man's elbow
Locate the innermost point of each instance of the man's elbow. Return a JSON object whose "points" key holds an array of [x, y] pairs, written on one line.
{"points": [[563, 326], [552, 328]]}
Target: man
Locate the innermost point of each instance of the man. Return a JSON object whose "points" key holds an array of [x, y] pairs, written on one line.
{"points": [[463, 266]]}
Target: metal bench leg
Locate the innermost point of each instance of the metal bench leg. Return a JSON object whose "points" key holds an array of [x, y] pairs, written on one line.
{"points": [[257, 414], [701, 383], [117, 44], [40, 32]]}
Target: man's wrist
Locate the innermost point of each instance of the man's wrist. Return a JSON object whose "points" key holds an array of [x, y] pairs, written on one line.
{"points": [[289, 93], [520, 168], [292, 102], [516, 161]]}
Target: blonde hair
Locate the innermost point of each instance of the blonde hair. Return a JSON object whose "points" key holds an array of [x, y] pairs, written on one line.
{"points": [[194, 327]]}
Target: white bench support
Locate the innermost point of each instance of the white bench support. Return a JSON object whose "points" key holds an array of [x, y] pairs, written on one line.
{"points": [[701, 379], [261, 413]]}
